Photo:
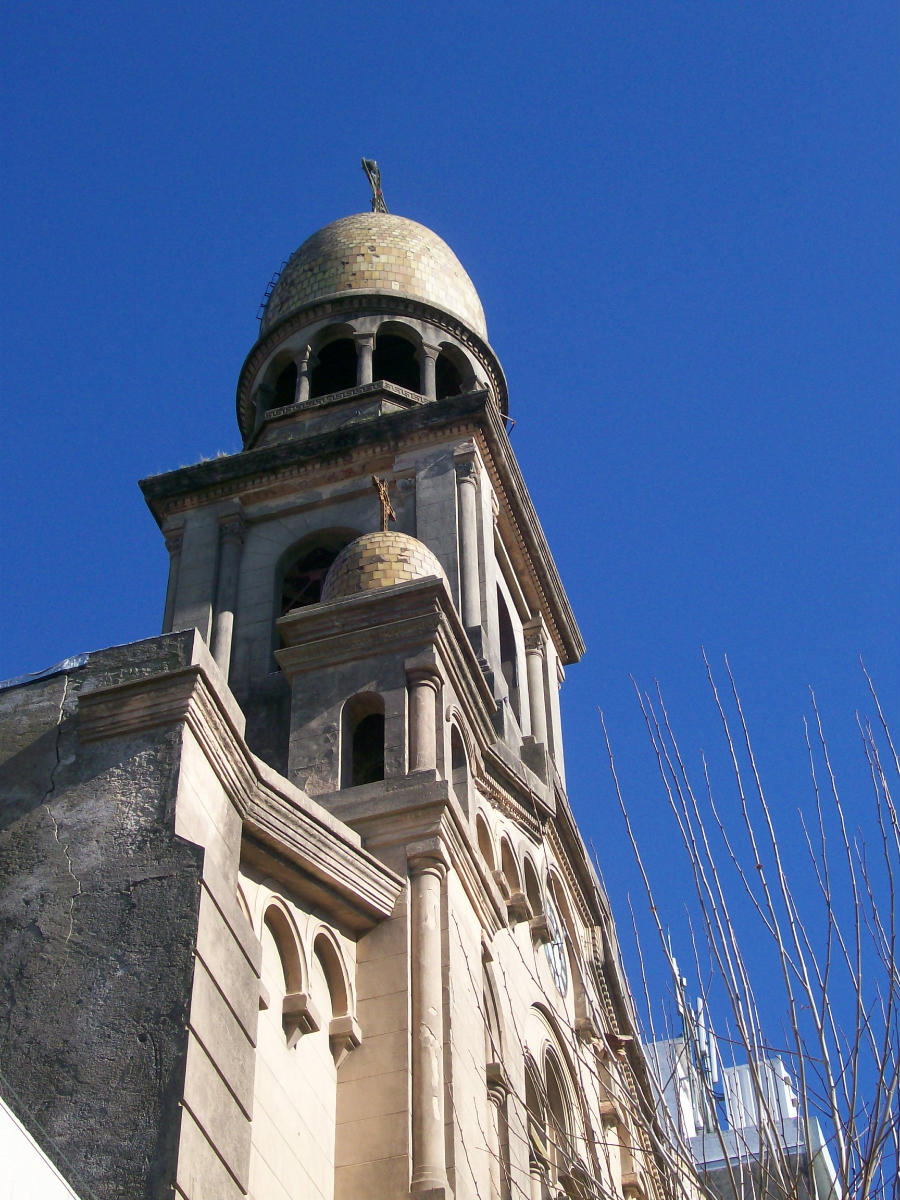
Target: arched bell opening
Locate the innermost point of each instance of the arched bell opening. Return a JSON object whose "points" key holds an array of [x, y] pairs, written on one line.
{"points": [[395, 360], [334, 369], [453, 373], [285, 386], [303, 567]]}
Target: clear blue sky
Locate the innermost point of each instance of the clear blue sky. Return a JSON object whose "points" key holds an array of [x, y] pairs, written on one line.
{"points": [[682, 221]]}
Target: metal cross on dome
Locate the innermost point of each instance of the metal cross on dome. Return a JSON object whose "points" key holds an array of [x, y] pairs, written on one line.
{"points": [[387, 509], [370, 166]]}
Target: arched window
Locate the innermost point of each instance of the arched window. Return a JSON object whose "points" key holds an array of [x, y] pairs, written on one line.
{"points": [[532, 887], [395, 361], [484, 841], [508, 658], [304, 568], [334, 369], [558, 1121], [459, 765], [509, 866], [453, 373], [285, 386], [362, 748]]}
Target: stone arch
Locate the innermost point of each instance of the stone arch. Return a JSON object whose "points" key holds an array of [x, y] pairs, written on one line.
{"points": [[509, 866], [509, 655], [362, 740], [301, 569], [397, 355], [460, 771], [278, 920], [485, 841], [453, 373], [328, 953], [279, 382], [532, 884]]}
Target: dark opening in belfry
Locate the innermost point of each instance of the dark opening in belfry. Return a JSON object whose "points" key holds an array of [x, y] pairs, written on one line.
{"points": [[395, 361], [334, 368]]}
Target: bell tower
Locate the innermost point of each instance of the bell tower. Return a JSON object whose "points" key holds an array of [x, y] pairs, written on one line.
{"points": [[372, 356], [397, 651]]}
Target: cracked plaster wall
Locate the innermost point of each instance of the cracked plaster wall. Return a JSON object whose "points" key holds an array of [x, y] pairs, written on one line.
{"points": [[98, 916]]}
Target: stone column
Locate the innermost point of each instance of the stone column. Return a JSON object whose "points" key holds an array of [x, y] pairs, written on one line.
{"points": [[429, 360], [535, 666], [231, 541], [301, 395], [365, 346], [423, 684], [427, 869], [174, 541], [498, 1133], [467, 486]]}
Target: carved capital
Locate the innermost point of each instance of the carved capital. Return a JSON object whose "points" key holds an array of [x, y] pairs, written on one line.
{"points": [[344, 1035], [535, 636], [298, 1017], [174, 541], [232, 528], [426, 858], [424, 677], [498, 1085], [518, 908], [540, 930], [466, 471]]}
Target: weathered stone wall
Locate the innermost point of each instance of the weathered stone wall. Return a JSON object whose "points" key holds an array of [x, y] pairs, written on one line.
{"points": [[98, 918]]}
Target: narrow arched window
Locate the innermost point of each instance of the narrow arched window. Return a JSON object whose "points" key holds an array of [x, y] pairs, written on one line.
{"points": [[368, 749], [508, 659], [395, 361], [362, 750], [334, 369], [459, 764]]}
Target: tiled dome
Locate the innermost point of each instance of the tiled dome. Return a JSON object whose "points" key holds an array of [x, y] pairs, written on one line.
{"points": [[378, 560], [375, 252]]}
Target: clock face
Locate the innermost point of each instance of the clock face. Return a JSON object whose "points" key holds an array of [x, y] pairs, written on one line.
{"points": [[555, 950]]}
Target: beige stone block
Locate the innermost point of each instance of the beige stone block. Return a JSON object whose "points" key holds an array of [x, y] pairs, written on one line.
{"points": [[223, 1037], [264, 1184], [387, 939], [382, 1094], [371, 1139], [226, 962], [201, 1174], [377, 1055], [382, 976], [382, 1014], [216, 1111]]}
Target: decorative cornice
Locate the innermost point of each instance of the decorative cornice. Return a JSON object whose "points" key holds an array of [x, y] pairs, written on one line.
{"points": [[282, 828]]}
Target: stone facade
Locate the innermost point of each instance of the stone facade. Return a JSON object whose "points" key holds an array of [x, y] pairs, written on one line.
{"points": [[301, 873]]}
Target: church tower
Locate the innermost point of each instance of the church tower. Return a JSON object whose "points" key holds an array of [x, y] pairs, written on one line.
{"points": [[401, 974]]}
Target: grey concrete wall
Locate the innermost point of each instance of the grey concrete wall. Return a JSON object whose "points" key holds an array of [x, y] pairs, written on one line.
{"points": [[98, 919]]}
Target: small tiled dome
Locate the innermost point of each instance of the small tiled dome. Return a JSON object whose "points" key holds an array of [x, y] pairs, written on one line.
{"points": [[375, 252], [378, 560]]}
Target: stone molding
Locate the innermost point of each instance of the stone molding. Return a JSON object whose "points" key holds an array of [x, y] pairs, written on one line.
{"points": [[283, 830], [359, 390]]}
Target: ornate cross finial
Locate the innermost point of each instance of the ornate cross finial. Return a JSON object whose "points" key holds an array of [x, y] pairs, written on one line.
{"points": [[387, 509], [370, 166]]}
